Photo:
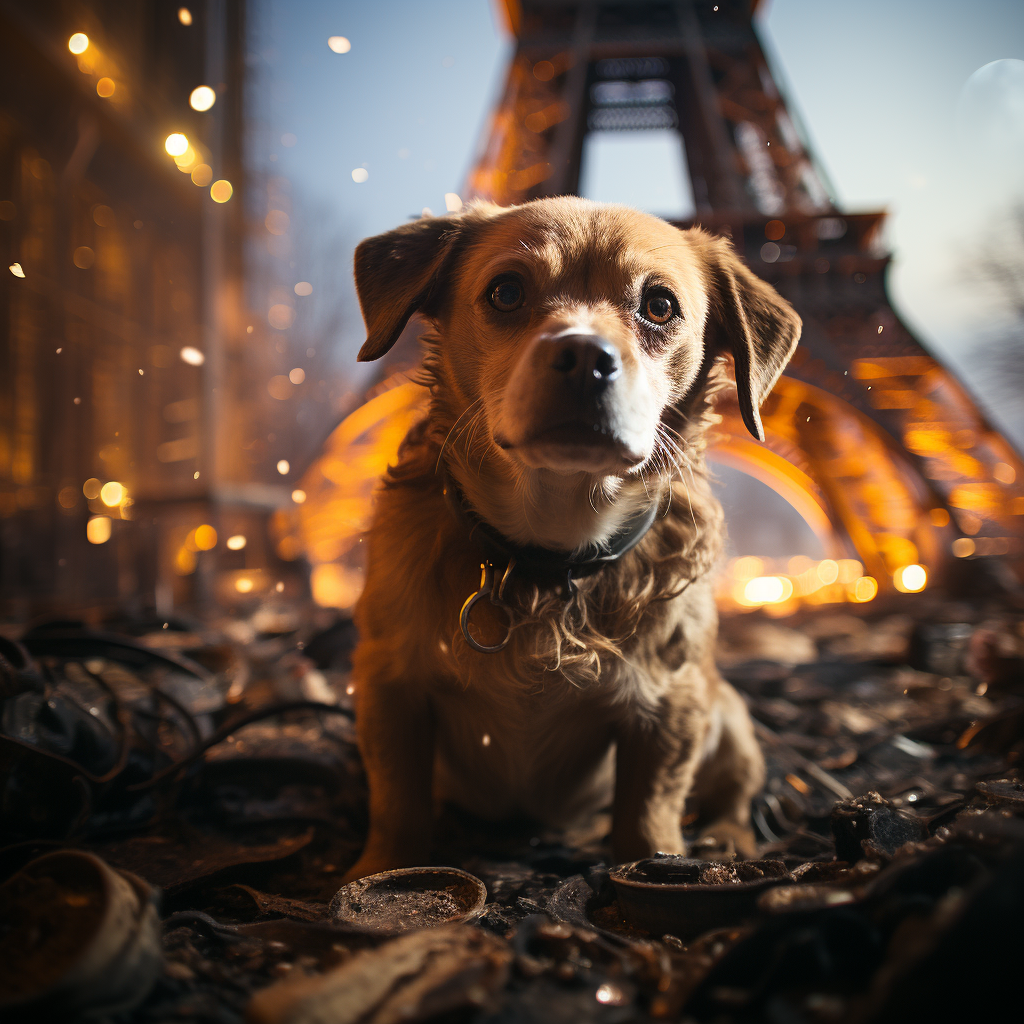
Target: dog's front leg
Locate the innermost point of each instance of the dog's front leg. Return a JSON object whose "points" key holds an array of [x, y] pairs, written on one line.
{"points": [[396, 740], [657, 755]]}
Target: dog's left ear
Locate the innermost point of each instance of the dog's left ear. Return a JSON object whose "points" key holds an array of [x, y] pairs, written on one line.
{"points": [[396, 274], [751, 320]]}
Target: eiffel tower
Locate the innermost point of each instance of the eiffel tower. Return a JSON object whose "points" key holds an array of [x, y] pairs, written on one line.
{"points": [[877, 445]]}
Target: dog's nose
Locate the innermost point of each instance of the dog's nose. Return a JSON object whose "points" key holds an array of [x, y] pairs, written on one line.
{"points": [[587, 358]]}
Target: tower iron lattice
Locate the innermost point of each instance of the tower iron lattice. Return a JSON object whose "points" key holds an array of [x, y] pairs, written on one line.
{"points": [[877, 444]]}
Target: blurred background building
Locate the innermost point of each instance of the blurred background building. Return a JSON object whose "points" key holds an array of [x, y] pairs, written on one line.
{"points": [[181, 188], [135, 468]]}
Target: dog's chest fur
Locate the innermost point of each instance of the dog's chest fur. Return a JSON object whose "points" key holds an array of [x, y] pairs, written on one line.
{"points": [[517, 732]]}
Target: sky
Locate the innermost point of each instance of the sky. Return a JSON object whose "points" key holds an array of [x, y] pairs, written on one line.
{"points": [[897, 99]]}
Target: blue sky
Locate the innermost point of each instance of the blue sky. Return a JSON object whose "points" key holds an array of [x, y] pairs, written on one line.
{"points": [[881, 86]]}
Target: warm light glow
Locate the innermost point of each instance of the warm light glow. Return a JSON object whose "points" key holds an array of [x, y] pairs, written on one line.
{"points": [[176, 144], [279, 387], [237, 542], [298, 495], [68, 497], [452, 202], [280, 316], [939, 517], [910, 578], [297, 375], [768, 590], [360, 174], [748, 567], [187, 160], [865, 589], [335, 586], [828, 571], [243, 585], [303, 288], [105, 87], [202, 175], [192, 356], [283, 466], [205, 537], [1004, 472], [963, 547], [339, 44], [221, 191], [97, 529], [184, 16], [849, 570], [276, 222], [15, 269], [79, 43], [83, 257], [112, 493], [202, 98], [185, 560]]}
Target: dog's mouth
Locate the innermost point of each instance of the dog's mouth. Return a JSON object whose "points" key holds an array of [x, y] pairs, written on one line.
{"points": [[574, 445]]}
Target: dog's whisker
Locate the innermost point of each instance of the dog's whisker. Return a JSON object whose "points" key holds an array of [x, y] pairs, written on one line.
{"points": [[440, 454]]}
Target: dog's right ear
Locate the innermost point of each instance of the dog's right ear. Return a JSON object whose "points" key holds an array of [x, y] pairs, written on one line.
{"points": [[396, 274]]}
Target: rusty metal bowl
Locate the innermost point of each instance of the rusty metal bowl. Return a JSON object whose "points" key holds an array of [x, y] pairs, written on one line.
{"points": [[406, 899], [685, 897]]}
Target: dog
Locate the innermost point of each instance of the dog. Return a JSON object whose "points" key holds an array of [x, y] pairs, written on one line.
{"points": [[537, 629]]}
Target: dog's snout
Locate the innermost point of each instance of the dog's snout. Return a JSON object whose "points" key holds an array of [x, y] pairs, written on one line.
{"points": [[587, 358]]}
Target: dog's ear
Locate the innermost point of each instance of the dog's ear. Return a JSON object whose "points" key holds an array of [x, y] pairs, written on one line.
{"points": [[751, 320], [397, 274]]}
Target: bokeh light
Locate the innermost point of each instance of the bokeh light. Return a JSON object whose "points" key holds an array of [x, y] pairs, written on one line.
{"points": [[202, 175], [202, 98], [112, 493], [221, 191], [105, 87], [97, 529], [360, 174], [243, 585], [79, 43], [192, 356], [303, 288], [910, 578], [91, 488], [298, 495], [339, 44], [176, 144], [205, 537], [237, 542], [184, 16], [297, 375], [283, 466]]}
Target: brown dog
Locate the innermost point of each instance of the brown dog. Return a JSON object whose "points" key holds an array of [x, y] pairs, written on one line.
{"points": [[574, 351]]}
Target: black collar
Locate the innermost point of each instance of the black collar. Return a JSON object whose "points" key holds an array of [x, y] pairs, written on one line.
{"points": [[545, 564]]}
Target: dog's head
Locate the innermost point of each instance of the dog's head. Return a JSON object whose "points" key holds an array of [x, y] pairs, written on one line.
{"points": [[575, 325]]}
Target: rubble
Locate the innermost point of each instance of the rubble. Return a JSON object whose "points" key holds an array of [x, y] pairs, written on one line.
{"points": [[215, 764]]}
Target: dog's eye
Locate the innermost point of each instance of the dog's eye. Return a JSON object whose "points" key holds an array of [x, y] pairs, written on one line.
{"points": [[658, 307], [506, 294]]}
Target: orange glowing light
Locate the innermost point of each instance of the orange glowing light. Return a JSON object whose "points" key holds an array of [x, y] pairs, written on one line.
{"points": [[91, 488], [963, 547], [192, 356], [112, 493], [910, 579], [297, 375], [16, 270], [176, 144], [244, 585], [184, 16], [202, 175], [205, 537], [865, 589], [105, 87], [97, 529], [298, 495], [221, 191], [237, 542], [79, 43], [283, 466], [202, 98]]}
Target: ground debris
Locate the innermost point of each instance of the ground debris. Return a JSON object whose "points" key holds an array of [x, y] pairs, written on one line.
{"points": [[216, 761]]}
